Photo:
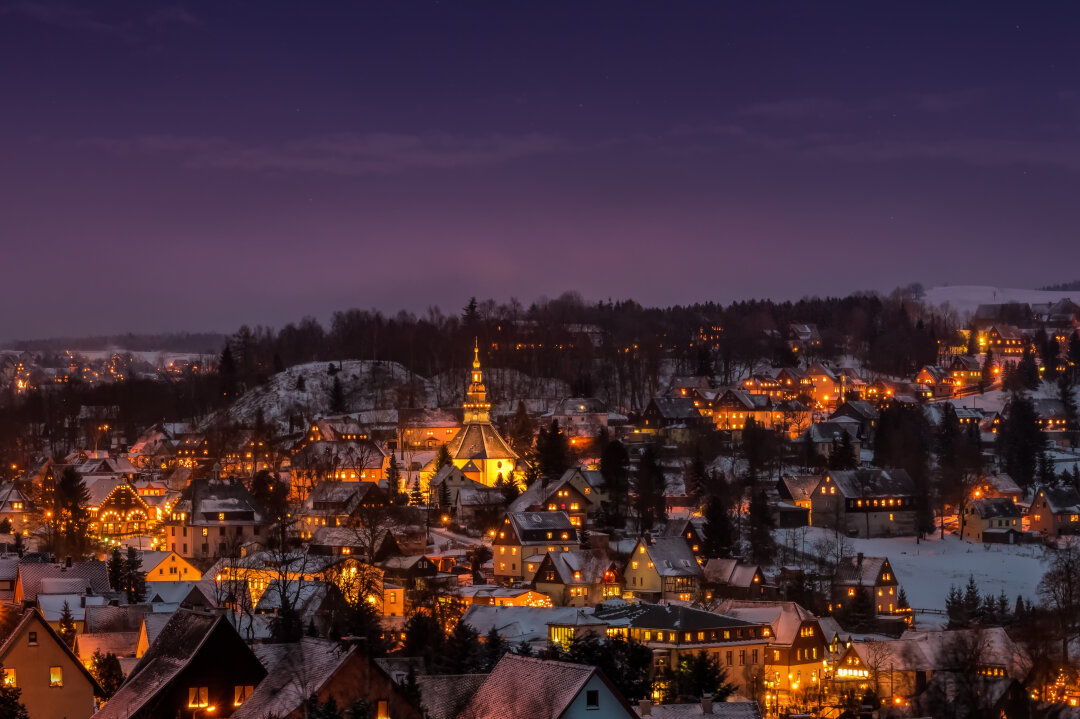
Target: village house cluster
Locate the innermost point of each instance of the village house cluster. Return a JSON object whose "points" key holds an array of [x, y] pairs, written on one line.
{"points": [[231, 573]]}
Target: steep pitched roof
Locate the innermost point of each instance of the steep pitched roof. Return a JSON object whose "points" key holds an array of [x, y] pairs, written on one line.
{"points": [[294, 672], [676, 617], [730, 572], [540, 689], [176, 645], [672, 557], [785, 618], [994, 507], [480, 441], [860, 570], [444, 696], [94, 574], [871, 483], [1062, 499]]}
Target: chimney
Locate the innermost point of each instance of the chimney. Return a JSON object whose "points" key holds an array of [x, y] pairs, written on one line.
{"points": [[706, 704], [644, 707], [67, 562]]}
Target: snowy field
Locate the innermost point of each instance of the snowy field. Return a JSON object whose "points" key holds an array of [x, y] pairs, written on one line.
{"points": [[926, 570], [963, 299]]}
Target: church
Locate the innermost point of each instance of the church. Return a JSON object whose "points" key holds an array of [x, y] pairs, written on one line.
{"points": [[478, 450]]}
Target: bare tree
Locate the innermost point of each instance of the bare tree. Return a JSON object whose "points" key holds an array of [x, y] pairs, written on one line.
{"points": [[1060, 592]]}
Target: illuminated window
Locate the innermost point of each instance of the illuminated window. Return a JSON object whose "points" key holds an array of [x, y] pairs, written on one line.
{"points": [[9, 677], [56, 677], [198, 697], [240, 693]]}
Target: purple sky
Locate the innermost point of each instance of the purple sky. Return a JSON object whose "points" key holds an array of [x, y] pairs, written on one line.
{"points": [[199, 166]]}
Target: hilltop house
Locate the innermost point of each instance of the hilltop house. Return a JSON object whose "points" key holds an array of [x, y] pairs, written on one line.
{"points": [[873, 576], [992, 520], [866, 503], [1055, 511]]}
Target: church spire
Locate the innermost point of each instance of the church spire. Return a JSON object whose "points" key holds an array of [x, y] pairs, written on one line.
{"points": [[477, 408]]}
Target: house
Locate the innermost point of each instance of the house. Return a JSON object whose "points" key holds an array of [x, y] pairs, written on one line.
{"points": [[998, 484], [706, 707], [526, 535], [823, 437], [866, 503], [578, 579], [571, 493], [35, 659], [669, 413], [445, 484], [83, 577], [15, 507], [116, 509], [795, 383], [873, 576], [426, 429], [863, 412], [325, 670], [663, 568], [353, 460], [334, 503], [675, 632], [1004, 340], [965, 371], [528, 687], [479, 504], [732, 579], [828, 386], [346, 541], [478, 450], [582, 418], [197, 661], [690, 529], [216, 517], [992, 520], [1051, 414], [1055, 511], [798, 488], [444, 696], [489, 594], [796, 644], [935, 378], [168, 567]]}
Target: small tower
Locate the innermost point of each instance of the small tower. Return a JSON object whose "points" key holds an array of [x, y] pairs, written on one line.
{"points": [[477, 408]]}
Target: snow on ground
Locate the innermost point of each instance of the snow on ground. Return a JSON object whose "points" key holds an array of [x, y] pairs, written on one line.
{"points": [[963, 299], [928, 568]]}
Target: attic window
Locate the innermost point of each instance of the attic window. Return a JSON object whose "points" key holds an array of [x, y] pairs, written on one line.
{"points": [[198, 697], [32, 641], [56, 676]]}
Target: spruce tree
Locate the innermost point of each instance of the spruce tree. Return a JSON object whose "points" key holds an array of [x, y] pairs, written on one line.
{"points": [[760, 519], [649, 489], [442, 457], [494, 648], [719, 530], [462, 653], [67, 626], [521, 431], [416, 496], [337, 397], [1020, 440], [134, 577], [116, 570], [615, 468], [552, 452], [106, 669], [986, 377], [393, 474]]}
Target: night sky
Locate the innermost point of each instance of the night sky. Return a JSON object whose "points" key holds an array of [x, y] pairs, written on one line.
{"points": [[199, 166]]}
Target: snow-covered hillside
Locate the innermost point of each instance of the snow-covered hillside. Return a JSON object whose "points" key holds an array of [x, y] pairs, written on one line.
{"points": [[963, 299], [305, 391]]}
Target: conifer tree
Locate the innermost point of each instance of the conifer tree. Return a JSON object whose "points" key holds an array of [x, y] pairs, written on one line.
{"points": [[67, 626], [134, 577], [442, 457], [393, 473], [986, 376], [1020, 440], [649, 487], [552, 451], [116, 570], [337, 397], [106, 669], [494, 648], [760, 519], [719, 530]]}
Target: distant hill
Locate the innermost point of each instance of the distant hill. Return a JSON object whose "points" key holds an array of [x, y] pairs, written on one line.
{"points": [[963, 299], [1073, 286], [192, 342]]}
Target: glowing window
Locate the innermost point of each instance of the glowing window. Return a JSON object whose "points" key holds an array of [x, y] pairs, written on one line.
{"points": [[240, 693], [9, 677], [198, 697], [56, 676]]}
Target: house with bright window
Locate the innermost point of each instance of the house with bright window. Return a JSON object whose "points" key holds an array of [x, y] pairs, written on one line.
{"points": [[1055, 511], [526, 536], [866, 503], [872, 576], [662, 568]]}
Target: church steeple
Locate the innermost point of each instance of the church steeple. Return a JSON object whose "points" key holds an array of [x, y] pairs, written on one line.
{"points": [[477, 408]]}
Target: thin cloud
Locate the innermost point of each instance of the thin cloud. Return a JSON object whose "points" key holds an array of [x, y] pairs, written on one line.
{"points": [[343, 153], [87, 19]]}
